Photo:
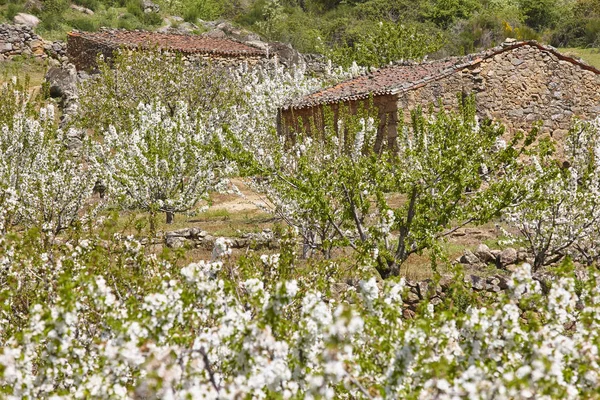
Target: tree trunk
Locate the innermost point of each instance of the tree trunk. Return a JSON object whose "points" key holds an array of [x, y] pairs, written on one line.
{"points": [[170, 217]]}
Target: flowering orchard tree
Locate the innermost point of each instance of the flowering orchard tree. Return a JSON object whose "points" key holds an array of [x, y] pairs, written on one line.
{"points": [[163, 163], [148, 77], [42, 182], [561, 214], [447, 169], [191, 332]]}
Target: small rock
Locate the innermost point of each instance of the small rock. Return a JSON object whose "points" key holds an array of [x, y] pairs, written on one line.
{"points": [[5, 47], [149, 6], [412, 297], [469, 258], [507, 256], [511, 267], [493, 288], [423, 287], [411, 284], [435, 301], [477, 282], [175, 242], [82, 9], [184, 232], [484, 254], [408, 314]]}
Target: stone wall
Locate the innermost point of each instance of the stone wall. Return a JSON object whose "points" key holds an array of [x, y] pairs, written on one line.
{"points": [[83, 53], [518, 87], [197, 238], [20, 40]]}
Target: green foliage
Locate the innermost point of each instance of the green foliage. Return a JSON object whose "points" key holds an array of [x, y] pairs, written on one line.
{"points": [[387, 42], [540, 14], [445, 12], [207, 10], [334, 184]]}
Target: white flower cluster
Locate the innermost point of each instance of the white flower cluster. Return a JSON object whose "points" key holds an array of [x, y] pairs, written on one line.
{"points": [[195, 335], [42, 182]]}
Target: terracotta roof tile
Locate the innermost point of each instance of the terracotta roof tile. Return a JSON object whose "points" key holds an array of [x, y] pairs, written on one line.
{"points": [[168, 41], [398, 78]]}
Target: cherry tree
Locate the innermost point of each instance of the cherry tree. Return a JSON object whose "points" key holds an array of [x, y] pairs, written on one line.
{"points": [[43, 183], [163, 163], [561, 213], [445, 169]]}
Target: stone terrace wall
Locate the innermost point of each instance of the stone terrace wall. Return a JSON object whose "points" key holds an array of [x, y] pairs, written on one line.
{"points": [[518, 87], [20, 40]]}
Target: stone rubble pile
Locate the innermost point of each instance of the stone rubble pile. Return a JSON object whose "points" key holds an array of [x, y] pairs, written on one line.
{"points": [[507, 258], [197, 238], [435, 293], [21, 40]]}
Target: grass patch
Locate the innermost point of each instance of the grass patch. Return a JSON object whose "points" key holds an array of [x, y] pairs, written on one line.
{"points": [[589, 55], [23, 67]]}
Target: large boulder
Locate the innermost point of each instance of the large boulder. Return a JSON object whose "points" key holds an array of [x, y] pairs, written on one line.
{"points": [[484, 254], [62, 82], [82, 9], [286, 53], [507, 257], [149, 6], [26, 19]]}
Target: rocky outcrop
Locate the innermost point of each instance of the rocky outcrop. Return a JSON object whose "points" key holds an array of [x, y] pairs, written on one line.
{"points": [[286, 54], [20, 40], [150, 7]]}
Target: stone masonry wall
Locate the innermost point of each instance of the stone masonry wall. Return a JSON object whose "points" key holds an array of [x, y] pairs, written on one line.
{"points": [[20, 40], [83, 53], [518, 87]]}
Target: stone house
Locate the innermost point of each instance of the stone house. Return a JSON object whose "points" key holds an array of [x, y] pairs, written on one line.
{"points": [[83, 48], [517, 83]]}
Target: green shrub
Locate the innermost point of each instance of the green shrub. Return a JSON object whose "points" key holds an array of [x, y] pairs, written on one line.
{"points": [[129, 22], [84, 24], [204, 9], [134, 7], [540, 14], [91, 4], [55, 7], [387, 42], [12, 10]]}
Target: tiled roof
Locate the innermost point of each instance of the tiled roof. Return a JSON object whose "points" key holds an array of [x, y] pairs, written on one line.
{"points": [[168, 41], [399, 78]]}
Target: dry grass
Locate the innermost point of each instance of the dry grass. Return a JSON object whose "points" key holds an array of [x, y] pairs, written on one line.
{"points": [[23, 67], [589, 55]]}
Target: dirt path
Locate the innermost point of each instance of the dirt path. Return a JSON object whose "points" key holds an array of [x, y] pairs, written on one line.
{"points": [[249, 201]]}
